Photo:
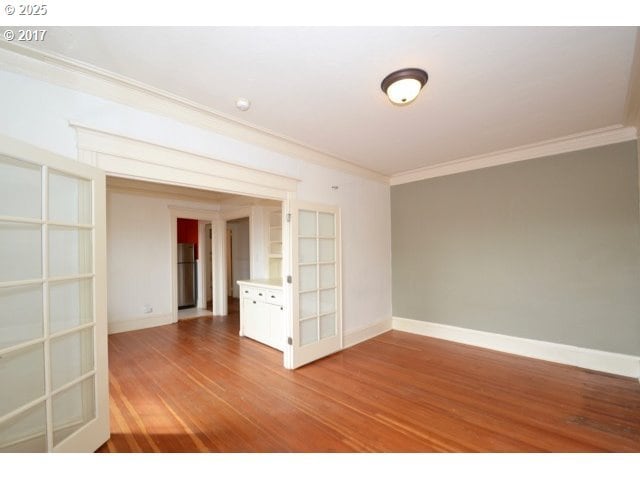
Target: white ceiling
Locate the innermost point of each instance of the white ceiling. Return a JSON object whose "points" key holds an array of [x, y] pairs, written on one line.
{"points": [[489, 89]]}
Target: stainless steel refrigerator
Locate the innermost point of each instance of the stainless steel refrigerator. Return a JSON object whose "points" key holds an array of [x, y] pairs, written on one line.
{"points": [[187, 294]]}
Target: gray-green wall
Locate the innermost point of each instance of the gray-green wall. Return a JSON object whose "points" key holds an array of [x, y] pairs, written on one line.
{"points": [[547, 249]]}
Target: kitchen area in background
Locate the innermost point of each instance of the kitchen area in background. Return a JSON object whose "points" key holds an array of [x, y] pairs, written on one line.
{"points": [[146, 224], [189, 264], [187, 279]]}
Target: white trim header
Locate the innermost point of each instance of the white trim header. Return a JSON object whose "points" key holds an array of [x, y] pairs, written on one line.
{"points": [[131, 158]]}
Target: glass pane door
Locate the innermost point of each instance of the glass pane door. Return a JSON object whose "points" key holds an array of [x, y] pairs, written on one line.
{"points": [[47, 316], [317, 320]]}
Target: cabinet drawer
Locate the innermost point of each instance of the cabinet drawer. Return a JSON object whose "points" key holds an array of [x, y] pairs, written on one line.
{"points": [[262, 294], [247, 291], [273, 296]]}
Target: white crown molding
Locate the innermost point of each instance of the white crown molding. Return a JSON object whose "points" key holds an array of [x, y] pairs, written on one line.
{"points": [[81, 76], [616, 363], [570, 143]]}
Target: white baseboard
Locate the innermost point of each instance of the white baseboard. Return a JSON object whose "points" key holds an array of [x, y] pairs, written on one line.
{"points": [[352, 338], [616, 363], [138, 323]]}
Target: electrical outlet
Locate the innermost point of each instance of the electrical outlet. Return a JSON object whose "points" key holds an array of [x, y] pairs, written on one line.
{"points": [[148, 309]]}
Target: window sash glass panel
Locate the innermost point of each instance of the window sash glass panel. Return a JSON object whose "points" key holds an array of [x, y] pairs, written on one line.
{"points": [[327, 301], [20, 189], [20, 251], [308, 304], [25, 432], [326, 224], [21, 316], [70, 304], [70, 251], [308, 331], [72, 409], [21, 377], [307, 223], [327, 249], [327, 325], [308, 250], [71, 357], [69, 199], [328, 275], [308, 277]]}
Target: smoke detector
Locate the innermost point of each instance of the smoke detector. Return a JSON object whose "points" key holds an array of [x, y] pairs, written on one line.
{"points": [[243, 104]]}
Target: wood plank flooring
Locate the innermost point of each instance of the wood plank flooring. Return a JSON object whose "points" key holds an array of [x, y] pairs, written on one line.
{"points": [[196, 386]]}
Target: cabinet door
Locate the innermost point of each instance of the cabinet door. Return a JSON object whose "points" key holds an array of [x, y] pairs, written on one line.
{"points": [[255, 321], [249, 315], [276, 326]]}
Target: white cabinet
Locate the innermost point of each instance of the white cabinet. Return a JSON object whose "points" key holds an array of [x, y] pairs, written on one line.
{"points": [[261, 302], [262, 312]]}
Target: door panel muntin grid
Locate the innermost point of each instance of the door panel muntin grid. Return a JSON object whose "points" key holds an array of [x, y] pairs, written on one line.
{"points": [[42, 280], [317, 248]]}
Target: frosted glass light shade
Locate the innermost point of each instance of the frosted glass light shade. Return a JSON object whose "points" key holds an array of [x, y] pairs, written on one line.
{"points": [[403, 86], [404, 91]]}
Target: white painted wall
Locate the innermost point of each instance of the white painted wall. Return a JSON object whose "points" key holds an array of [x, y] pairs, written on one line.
{"points": [[258, 225], [366, 241], [240, 252], [37, 112], [139, 258]]}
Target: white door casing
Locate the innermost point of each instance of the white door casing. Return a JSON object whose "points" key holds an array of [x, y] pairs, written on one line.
{"points": [[53, 324], [218, 265], [130, 158], [127, 157], [208, 264]]}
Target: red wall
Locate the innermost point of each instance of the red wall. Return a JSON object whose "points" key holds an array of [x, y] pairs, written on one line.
{"points": [[188, 232]]}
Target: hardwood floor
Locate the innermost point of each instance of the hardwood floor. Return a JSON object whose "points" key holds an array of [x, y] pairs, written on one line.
{"points": [[196, 386]]}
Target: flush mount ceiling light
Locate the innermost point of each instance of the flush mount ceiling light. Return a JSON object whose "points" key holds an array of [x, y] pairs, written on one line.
{"points": [[403, 86]]}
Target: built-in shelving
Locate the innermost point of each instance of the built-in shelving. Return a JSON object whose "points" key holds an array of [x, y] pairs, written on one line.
{"points": [[275, 244]]}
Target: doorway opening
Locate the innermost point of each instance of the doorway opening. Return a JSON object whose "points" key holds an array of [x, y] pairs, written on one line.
{"points": [[178, 170], [194, 272], [238, 259], [146, 223]]}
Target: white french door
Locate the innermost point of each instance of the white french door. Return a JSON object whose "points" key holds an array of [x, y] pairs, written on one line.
{"points": [[316, 267], [53, 333]]}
